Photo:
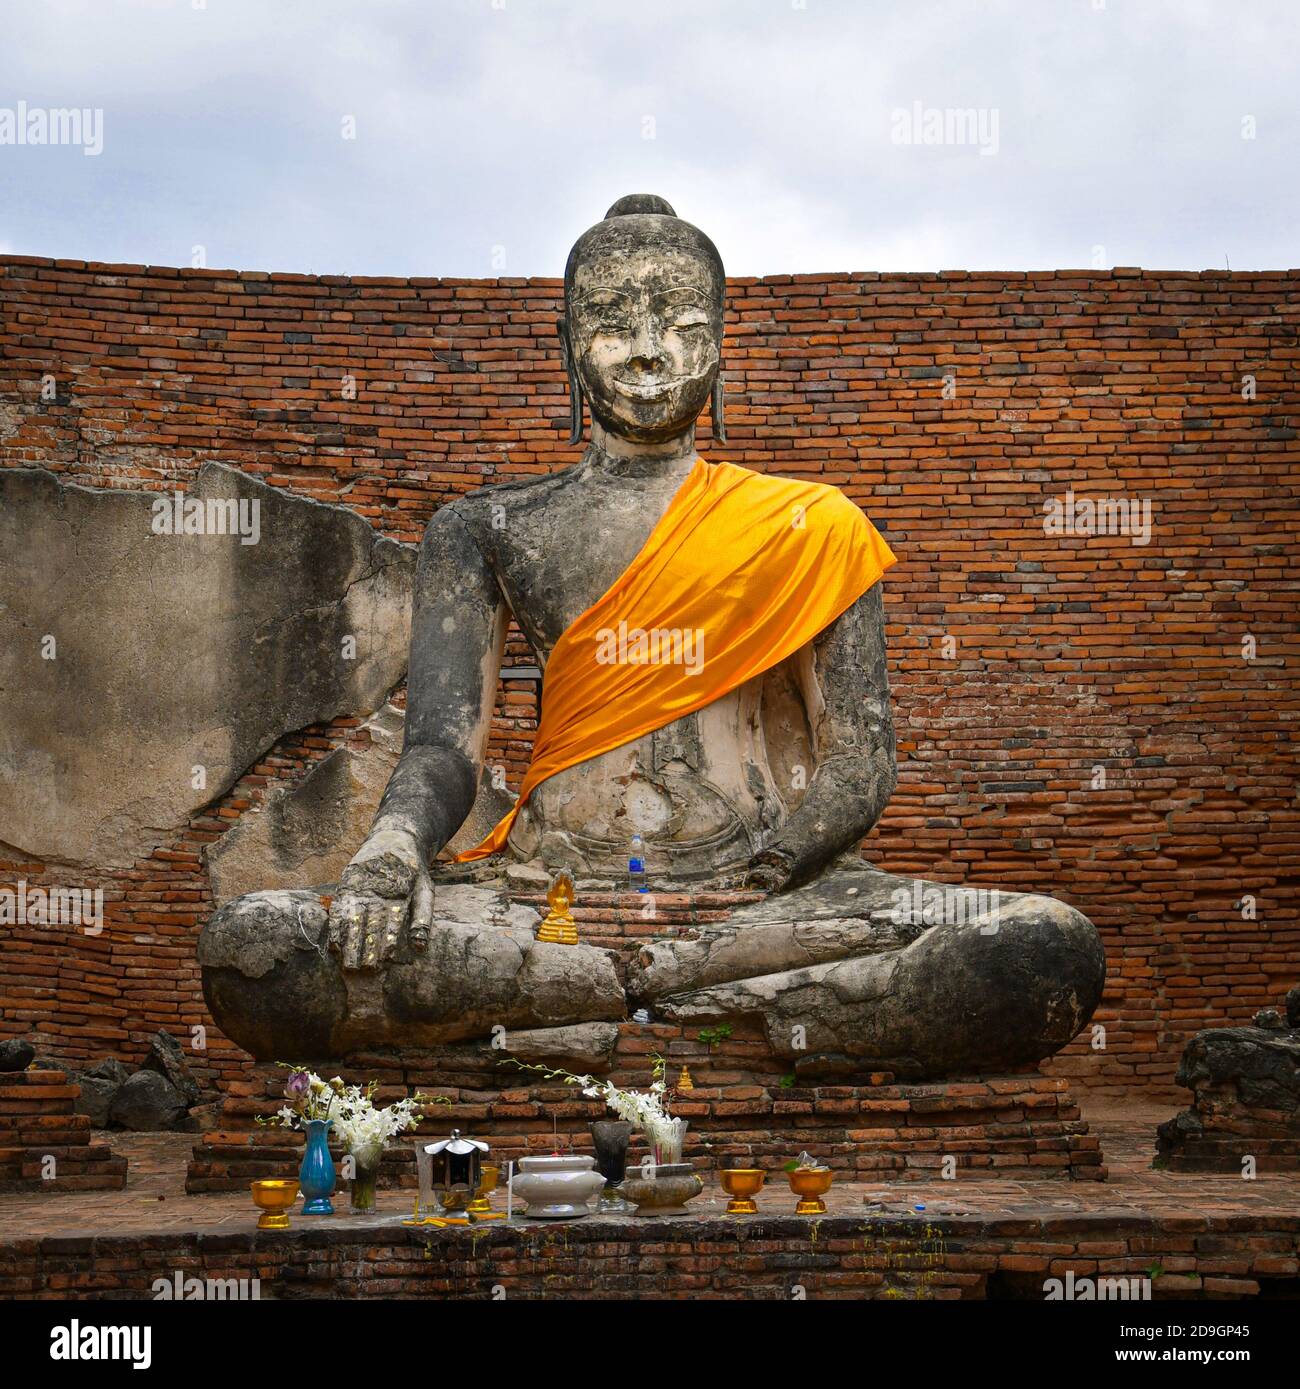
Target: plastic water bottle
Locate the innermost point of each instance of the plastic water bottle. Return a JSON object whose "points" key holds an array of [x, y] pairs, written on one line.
{"points": [[636, 866]]}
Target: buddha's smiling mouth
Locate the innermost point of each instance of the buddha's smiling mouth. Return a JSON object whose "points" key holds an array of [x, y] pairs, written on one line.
{"points": [[653, 389]]}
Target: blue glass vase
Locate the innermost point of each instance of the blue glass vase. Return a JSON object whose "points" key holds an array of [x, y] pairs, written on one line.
{"points": [[316, 1175]]}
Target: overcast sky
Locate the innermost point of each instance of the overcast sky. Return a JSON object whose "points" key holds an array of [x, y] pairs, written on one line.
{"points": [[489, 133]]}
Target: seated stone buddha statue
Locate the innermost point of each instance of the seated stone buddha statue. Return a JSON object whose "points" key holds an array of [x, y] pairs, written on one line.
{"points": [[712, 642]]}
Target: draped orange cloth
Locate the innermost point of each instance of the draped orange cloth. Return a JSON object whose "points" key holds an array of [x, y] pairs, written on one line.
{"points": [[741, 571]]}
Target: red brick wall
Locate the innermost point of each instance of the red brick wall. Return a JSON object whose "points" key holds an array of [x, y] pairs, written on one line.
{"points": [[1064, 654]]}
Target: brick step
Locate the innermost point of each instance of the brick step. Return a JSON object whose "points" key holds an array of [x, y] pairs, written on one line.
{"points": [[36, 1124], [1019, 1126], [231, 1170], [1028, 1121], [709, 1111], [70, 1164], [112, 1180], [48, 1118], [31, 1103], [1235, 1150], [68, 1149], [1237, 1133], [85, 1160], [1211, 1163]]}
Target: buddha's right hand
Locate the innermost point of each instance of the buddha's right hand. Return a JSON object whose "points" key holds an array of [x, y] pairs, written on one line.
{"points": [[386, 887]]}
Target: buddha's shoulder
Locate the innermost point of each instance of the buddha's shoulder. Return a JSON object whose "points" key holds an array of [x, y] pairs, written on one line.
{"points": [[797, 489], [484, 505]]}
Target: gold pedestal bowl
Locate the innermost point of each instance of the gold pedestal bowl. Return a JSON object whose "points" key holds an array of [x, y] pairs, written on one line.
{"points": [[810, 1184], [479, 1208], [273, 1197], [742, 1184]]}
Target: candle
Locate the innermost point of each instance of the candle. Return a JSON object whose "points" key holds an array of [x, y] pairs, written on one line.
{"points": [[510, 1189]]}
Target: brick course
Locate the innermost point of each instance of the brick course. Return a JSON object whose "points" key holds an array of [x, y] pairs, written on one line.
{"points": [[1002, 1127], [38, 1127], [1065, 654], [840, 1256]]}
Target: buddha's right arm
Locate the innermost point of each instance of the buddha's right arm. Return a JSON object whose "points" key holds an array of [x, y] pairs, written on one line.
{"points": [[458, 628]]}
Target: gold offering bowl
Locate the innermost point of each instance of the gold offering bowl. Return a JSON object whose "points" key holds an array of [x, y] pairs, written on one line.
{"points": [[454, 1198], [810, 1184], [487, 1182], [742, 1184], [273, 1197]]}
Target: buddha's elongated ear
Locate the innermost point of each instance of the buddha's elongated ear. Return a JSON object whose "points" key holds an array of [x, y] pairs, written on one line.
{"points": [[717, 408], [575, 385]]}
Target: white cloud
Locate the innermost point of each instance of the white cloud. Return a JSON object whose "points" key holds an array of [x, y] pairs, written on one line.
{"points": [[480, 127]]}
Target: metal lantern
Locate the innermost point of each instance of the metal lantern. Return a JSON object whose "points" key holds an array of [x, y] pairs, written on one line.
{"points": [[451, 1169]]}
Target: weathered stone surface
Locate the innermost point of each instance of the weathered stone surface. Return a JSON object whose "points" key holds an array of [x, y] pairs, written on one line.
{"points": [[167, 1059], [147, 1102], [533, 877], [173, 652], [16, 1054], [96, 1099], [851, 912], [999, 990], [305, 833], [584, 1048], [273, 984], [766, 786], [110, 1069], [1245, 1084], [98, 1086], [1261, 1066], [206, 1117]]}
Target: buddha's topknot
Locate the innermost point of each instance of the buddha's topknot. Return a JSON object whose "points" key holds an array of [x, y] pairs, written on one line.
{"points": [[636, 219], [641, 202]]}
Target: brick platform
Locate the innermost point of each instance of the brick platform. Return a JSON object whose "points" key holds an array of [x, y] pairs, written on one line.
{"points": [[1218, 1134], [1245, 1111], [1224, 1145], [741, 1114], [1190, 1236], [37, 1125]]}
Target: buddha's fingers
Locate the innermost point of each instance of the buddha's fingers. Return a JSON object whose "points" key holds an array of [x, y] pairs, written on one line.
{"points": [[354, 935], [366, 930], [384, 920], [344, 917], [391, 916], [421, 913]]}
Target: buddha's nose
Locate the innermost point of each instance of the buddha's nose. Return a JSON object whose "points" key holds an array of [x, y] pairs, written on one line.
{"points": [[646, 348]]}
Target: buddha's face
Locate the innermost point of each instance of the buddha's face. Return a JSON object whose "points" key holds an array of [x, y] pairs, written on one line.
{"points": [[645, 330]]}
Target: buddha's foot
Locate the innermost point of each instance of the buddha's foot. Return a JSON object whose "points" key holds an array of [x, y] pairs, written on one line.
{"points": [[274, 986], [1010, 981]]}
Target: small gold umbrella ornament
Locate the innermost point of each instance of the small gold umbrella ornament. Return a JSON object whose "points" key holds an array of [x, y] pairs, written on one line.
{"points": [[559, 928]]}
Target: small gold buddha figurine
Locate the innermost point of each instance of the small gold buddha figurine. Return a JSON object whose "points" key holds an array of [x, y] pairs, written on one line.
{"points": [[559, 928], [684, 1081]]}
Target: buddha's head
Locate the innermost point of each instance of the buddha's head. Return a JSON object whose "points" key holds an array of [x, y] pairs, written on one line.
{"points": [[642, 326]]}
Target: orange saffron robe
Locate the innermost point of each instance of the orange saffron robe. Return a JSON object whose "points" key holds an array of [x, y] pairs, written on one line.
{"points": [[741, 571]]}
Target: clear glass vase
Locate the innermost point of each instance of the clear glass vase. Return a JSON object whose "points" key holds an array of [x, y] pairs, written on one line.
{"points": [[365, 1178], [667, 1141]]}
